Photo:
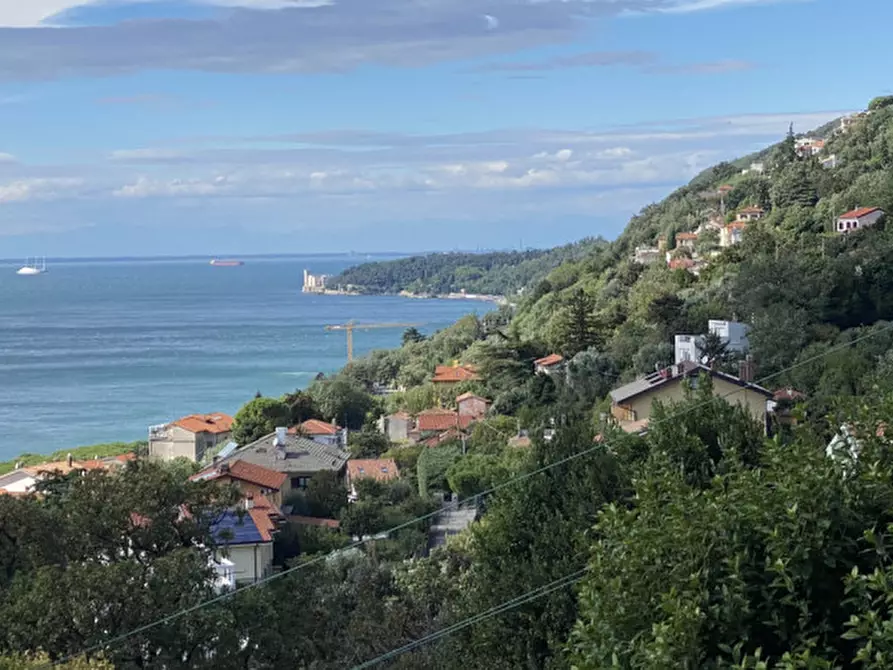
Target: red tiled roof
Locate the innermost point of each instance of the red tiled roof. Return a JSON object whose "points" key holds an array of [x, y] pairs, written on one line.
{"points": [[440, 438], [752, 210], [264, 514], [458, 373], [735, 225], [124, 458], [313, 521], [317, 427], [681, 264], [379, 469], [436, 420], [206, 423], [551, 359], [470, 396], [246, 472], [686, 236], [859, 213], [726, 188]]}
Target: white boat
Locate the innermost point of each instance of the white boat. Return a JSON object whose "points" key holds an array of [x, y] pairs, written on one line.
{"points": [[32, 268]]}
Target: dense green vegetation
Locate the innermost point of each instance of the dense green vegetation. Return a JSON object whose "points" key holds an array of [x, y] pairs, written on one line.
{"points": [[497, 273], [701, 544]]}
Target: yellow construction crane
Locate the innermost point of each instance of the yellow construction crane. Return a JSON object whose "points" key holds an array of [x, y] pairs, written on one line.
{"points": [[350, 327]]}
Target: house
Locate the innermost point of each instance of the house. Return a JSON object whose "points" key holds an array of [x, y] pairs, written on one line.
{"points": [[757, 168], [396, 426], [646, 255], [830, 162], [451, 375], [732, 233], [808, 146], [322, 432], [379, 469], [681, 264], [437, 420], [245, 537], [298, 457], [733, 333], [752, 213], [632, 403], [686, 240], [687, 348], [249, 478], [472, 405], [24, 480], [856, 219], [193, 437], [548, 364]]}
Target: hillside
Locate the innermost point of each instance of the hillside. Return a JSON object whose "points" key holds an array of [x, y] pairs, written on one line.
{"points": [[497, 273], [719, 533]]}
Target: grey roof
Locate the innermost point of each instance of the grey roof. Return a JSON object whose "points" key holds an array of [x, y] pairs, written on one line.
{"points": [[298, 455], [684, 370]]}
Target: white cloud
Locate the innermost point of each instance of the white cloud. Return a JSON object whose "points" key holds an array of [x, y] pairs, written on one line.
{"points": [[24, 190], [144, 187], [684, 6], [150, 155], [7, 158]]}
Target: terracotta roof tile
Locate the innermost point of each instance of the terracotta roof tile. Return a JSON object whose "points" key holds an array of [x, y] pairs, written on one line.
{"points": [[317, 427], [686, 236], [437, 420], [246, 472], [470, 396], [752, 210], [458, 373], [859, 213], [551, 359], [379, 469], [206, 423]]}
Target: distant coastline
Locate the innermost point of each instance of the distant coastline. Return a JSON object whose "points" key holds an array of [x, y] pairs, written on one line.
{"points": [[478, 297]]}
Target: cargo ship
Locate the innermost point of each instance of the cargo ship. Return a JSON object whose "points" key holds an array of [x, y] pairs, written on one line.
{"points": [[226, 263]]}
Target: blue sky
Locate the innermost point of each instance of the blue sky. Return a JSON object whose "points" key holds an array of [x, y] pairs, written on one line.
{"points": [[256, 126]]}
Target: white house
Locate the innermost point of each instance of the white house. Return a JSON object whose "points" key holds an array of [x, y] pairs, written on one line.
{"points": [[733, 333], [752, 213], [646, 255], [322, 432], [687, 348], [732, 233], [830, 162], [856, 219]]}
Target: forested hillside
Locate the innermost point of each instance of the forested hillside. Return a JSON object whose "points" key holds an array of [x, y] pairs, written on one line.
{"points": [[710, 540], [498, 273]]}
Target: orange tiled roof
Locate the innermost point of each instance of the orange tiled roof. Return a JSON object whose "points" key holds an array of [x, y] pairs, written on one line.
{"points": [[437, 420], [246, 472], [859, 213], [551, 359], [686, 236], [206, 423], [458, 373], [264, 514], [737, 224], [317, 427], [752, 210], [379, 469], [440, 438], [470, 396], [681, 264]]}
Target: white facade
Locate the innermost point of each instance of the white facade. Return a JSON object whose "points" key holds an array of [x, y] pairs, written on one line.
{"points": [[733, 333], [848, 223], [686, 348], [646, 255], [251, 562], [830, 162], [314, 283]]}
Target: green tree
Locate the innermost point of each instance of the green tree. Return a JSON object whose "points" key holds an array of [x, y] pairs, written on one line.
{"points": [[412, 335], [259, 417], [300, 407], [577, 327], [367, 443], [341, 401]]}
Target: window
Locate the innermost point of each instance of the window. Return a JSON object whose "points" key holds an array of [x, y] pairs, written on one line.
{"points": [[300, 482]]}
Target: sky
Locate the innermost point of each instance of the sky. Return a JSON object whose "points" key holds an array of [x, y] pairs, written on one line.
{"points": [[175, 127]]}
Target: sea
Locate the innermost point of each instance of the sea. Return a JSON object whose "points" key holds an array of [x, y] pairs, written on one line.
{"points": [[97, 351]]}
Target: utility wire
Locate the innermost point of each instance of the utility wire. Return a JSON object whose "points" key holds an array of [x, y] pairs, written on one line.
{"points": [[524, 598], [498, 487]]}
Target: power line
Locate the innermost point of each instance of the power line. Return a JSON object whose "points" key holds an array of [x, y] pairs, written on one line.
{"points": [[498, 487], [524, 598]]}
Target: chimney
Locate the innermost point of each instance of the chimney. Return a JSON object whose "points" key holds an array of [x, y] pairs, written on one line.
{"points": [[281, 433], [746, 370], [70, 459]]}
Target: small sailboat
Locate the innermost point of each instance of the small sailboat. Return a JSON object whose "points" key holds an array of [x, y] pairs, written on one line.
{"points": [[30, 268]]}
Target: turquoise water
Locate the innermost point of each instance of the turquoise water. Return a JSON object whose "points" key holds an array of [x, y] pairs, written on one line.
{"points": [[97, 351]]}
